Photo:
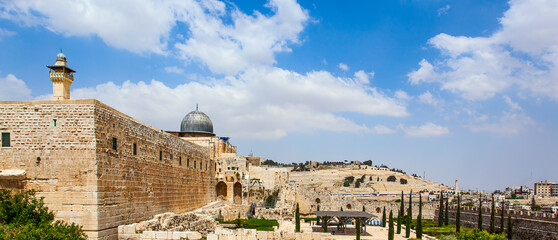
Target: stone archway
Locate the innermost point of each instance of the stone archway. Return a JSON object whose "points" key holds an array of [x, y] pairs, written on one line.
{"points": [[318, 200], [221, 190], [349, 206], [237, 193]]}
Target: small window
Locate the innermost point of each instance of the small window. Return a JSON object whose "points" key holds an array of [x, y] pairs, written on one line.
{"points": [[5, 139], [160, 155], [180, 161], [194, 163], [187, 162], [135, 149], [171, 156], [215, 167], [113, 143], [54, 120]]}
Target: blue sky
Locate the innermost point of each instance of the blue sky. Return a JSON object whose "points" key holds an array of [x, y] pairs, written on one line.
{"points": [[451, 89]]}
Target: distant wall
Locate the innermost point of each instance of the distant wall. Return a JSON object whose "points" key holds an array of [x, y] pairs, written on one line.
{"points": [[527, 225]]}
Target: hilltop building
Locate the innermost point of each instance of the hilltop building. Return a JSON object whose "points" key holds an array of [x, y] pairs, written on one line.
{"points": [[546, 189]]}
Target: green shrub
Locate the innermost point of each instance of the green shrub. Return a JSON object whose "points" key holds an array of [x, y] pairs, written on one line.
{"points": [[23, 217], [477, 234]]}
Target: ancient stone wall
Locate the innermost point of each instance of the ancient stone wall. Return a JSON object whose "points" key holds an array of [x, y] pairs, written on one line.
{"points": [[79, 155], [53, 142], [166, 174], [527, 225]]}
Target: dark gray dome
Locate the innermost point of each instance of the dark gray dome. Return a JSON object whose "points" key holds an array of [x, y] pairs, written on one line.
{"points": [[196, 122]]}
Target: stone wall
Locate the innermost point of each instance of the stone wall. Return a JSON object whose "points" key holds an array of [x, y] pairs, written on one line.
{"points": [[54, 143], [249, 234], [132, 188], [527, 225], [65, 149]]}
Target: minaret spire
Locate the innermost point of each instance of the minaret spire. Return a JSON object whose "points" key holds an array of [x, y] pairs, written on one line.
{"points": [[62, 77]]}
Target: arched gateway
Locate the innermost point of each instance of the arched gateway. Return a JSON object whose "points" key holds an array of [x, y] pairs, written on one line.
{"points": [[237, 193], [221, 190]]}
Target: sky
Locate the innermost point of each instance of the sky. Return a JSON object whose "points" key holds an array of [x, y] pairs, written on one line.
{"points": [[448, 90]]}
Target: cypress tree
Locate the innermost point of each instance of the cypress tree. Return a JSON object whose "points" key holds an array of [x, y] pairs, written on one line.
{"points": [[441, 210], [363, 208], [318, 221], [502, 217], [446, 215], [325, 223], [480, 212], [419, 219], [384, 218], [458, 215], [297, 219], [493, 216], [409, 216], [400, 214], [341, 209], [391, 234], [358, 228], [510, 227]]}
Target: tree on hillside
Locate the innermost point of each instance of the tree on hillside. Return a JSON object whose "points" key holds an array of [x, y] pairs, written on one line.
{"points": [[458, 215], [441, 210], [357, 226], [403, 181], [510, 228], [384, 218], [419, 219], [446, 213], [480, 212], [400, 214], [368, 162], [297, 218], [502, 217], [493, 216], [391, 178], [23, 216], [409, 216], [391, 231]]}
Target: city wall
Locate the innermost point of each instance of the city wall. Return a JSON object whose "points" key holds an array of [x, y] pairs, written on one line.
{"points": [[526, 225], [64, 150]]}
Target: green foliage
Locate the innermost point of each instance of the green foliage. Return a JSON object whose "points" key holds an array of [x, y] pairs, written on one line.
{"points": [[308, 219], [536, 208], [391, 178], [409, 218], [384, 218], [357, 228], [252, 223], [458, 215], [350, 179], [297, 218], [23, 217], [325, 223], [510, 228], [446, 213], [441, 210], [400, 214], [480, 213], [477, 234], [493, 216], [403, 181], [419, 220], [346, 184], [502, 217], [238, 222], [391, 232]]}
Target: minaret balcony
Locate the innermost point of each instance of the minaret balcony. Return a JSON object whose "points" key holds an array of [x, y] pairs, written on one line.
{"points": [[58, 75]]}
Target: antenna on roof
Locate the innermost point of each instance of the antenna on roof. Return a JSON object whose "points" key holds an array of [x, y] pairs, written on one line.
{"points": [[196, 107], [60, 50]]}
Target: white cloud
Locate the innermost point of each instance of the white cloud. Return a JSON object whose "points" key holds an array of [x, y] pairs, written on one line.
{"points": [[343, 67], [427, 130], [13, 89], [509, 123], [402, 95], [6, 33], [363, 77], [427, 98], [513, 105], [174, 69], [145, 26], [264, 103], [524, 53], [443, 10], [381, 129]]}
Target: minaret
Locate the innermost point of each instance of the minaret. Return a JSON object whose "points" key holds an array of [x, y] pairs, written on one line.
{"points": [[456, 187], [62, 77]]}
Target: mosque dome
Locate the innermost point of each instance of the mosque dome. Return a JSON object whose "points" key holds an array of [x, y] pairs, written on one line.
{"points": [[61, 57], [196, 122]]}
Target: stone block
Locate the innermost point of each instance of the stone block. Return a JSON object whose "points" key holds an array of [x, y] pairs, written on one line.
{"points": [[212, 236]]}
